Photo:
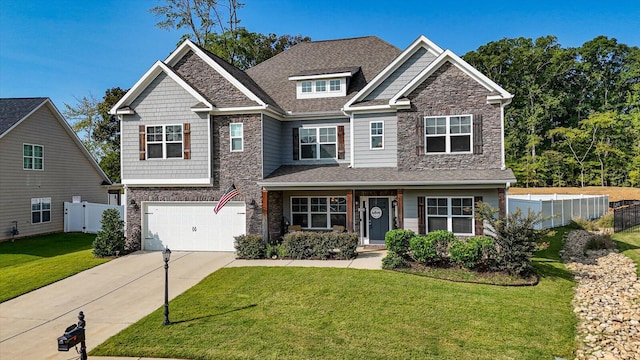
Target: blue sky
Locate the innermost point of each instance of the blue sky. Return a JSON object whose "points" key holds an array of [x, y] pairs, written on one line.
{"points": [[65, 49]]}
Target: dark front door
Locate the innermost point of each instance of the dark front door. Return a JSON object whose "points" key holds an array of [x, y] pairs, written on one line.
{"points": [[378, 219]]}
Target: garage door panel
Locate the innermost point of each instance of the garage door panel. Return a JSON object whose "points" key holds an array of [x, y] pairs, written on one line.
{"points": [[192, 225]]}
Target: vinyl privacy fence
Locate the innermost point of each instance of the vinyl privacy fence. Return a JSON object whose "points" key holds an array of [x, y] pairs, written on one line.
{"points": [[85, 216], [560, 209]]}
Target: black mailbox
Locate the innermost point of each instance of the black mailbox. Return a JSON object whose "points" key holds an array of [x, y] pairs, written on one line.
{"points": [[73, 335]]}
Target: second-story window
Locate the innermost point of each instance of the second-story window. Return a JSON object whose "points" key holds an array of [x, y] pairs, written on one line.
{"points": [[377, 134], [321, 85], [307, 86], [164, 142], [448, 134], [318, 143], [32, 157], [235, 131], [334, 85]]}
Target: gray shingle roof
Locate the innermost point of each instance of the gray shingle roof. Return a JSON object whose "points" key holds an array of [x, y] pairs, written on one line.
{"points": [[342, 175], [13, 110], [369, 53]]}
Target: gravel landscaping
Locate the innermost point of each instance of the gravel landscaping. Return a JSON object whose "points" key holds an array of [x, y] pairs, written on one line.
{"points": [[607, 300]]}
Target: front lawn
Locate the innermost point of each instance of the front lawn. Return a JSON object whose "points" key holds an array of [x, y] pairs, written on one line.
{"points": [[306, 313], [629, 244], [29, 264]]}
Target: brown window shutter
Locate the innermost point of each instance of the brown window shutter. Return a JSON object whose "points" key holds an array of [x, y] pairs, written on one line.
{"points": [[478, 223], [296, 144], [186, 133], [422, 216], [419, 135], [341, 142], [477, 134], [143, 142]]}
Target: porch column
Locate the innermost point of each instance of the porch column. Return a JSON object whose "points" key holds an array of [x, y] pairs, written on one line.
{"points": [[350, 211], [265, 217], [401, 208]]}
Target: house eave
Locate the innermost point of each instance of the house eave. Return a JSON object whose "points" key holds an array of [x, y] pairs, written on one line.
{"points": [[382, 184]]}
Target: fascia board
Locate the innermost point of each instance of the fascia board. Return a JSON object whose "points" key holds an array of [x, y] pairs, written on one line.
{"points": [[167, 182], [312, 184], [322, 76]]}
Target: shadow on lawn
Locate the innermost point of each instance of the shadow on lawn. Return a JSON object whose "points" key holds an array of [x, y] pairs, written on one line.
{"points": [[213, 315], [549, 269]]}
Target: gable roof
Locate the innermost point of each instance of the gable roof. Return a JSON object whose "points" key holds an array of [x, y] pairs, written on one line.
{"points": [[12, 110], [16, 110], [370, 54]]}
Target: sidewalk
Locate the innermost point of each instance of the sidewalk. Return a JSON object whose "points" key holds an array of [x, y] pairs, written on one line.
{"points": [[117, 294]]}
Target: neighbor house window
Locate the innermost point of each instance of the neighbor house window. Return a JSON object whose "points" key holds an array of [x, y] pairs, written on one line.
{"points": [[319, 212], [453, 214], [334, 85], [377, 134], [32, 157], [448, 134], [318, 143], [40, 210], [235, 131], [164, 142]]}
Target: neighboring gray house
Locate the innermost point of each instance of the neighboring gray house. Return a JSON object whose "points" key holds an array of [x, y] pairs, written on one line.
{"points": [[351, 133], [43, 165]]}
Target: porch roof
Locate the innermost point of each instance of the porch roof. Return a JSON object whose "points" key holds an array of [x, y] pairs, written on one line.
{"points": [[341, 175]]}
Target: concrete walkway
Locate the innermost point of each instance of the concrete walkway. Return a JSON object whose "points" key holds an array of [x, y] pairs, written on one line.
{"points": [[117, 294]]}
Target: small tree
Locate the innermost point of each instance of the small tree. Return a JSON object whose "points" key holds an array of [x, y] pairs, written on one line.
{"points": [[515, 238], [110, 239]]}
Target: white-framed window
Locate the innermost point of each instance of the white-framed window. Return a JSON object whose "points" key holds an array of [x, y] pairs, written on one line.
{"points": [[321, 85], [40, 210], [236, 136], [322, 212], [321, 88], [448, 134], [455, 214], [164, 142], [318, 143], [335, 85], [32, 157], [377, 134], [306, 86]]}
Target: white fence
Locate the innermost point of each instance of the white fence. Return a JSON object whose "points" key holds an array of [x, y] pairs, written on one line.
{"points": [[561, 208], [86, 217]]}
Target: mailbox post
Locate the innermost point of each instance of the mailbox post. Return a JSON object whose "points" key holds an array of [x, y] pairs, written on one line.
{"points": [[74, 335]]}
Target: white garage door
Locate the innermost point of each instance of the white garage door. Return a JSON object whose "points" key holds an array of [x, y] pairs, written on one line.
{"points": [[192, 226]]}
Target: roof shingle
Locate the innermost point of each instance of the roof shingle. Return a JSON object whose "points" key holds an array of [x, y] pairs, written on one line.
{"points": [[13, 110]]}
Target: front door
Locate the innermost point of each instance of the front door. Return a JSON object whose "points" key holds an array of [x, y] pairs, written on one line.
{"points": [[379, 219]]}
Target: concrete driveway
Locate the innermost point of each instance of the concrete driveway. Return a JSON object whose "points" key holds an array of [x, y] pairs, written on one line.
{"points": [[113, 296]]}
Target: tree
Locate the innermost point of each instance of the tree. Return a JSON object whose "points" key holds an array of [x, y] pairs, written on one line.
{"points": [[83, 117], [107, 132], [110, 239]]}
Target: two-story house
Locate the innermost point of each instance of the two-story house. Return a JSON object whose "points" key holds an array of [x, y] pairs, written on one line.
{"points": [[351, 133]]}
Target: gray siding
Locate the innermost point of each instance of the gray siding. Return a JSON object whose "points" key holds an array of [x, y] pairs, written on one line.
{"points": [[364, 156], [287, 140], [271, 145], [401, 77], [164, 102], [67, 173]]}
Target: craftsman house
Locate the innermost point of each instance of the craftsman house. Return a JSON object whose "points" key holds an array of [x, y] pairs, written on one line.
{"points": [[350, 134]]}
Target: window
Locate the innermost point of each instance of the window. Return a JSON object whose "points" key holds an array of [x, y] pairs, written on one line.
{"points": [[307, 86], [321, 86], [318, 143], [334, 85], [377, 134], [448, 134], [164, 142], [32, 157], [40, 210], [235, 131], [319, 212], [453, 214]]}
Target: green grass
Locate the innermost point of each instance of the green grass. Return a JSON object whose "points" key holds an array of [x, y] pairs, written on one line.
{"points": [[629, 244], [29, 264], [313, 313]]}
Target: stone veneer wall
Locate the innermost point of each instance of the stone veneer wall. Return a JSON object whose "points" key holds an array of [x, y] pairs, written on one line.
{"points": [[276, 212], [449, 91]]}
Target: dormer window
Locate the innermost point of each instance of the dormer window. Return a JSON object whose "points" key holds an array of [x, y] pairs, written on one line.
{"points": [[323, 82], [306, 86], [334, 85]]}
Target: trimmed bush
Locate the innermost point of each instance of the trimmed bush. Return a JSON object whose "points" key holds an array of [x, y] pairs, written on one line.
{"points": [[250, 247], [345, 243], [317, 245], [393, 261], [397, 241], [423, 249], [276, 251], [473, 253], [600, 242], [442, 240], [110, 238]]}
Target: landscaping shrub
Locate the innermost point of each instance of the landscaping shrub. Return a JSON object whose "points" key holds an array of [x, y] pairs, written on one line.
{"points": [[393, 261], [589, 225], [345, 243], [515, 238], [473, 253], [442, 240], [278, 251], [606, 221], [110, 239], [312, 245], [397, 241], [600, 242], [423, 249], [250, 247]]}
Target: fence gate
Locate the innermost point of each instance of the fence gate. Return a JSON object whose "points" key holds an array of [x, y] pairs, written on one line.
{"points": [[86, 217], [626, 217]]}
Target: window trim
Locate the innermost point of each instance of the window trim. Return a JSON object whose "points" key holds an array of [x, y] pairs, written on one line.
{"points": [[164, 142], [450, 215], [308, 88], [41, 210], [241, 137], [318, 143], [448, 134], [371, 135], [32, 157], [339, 85], [309, 213]]}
